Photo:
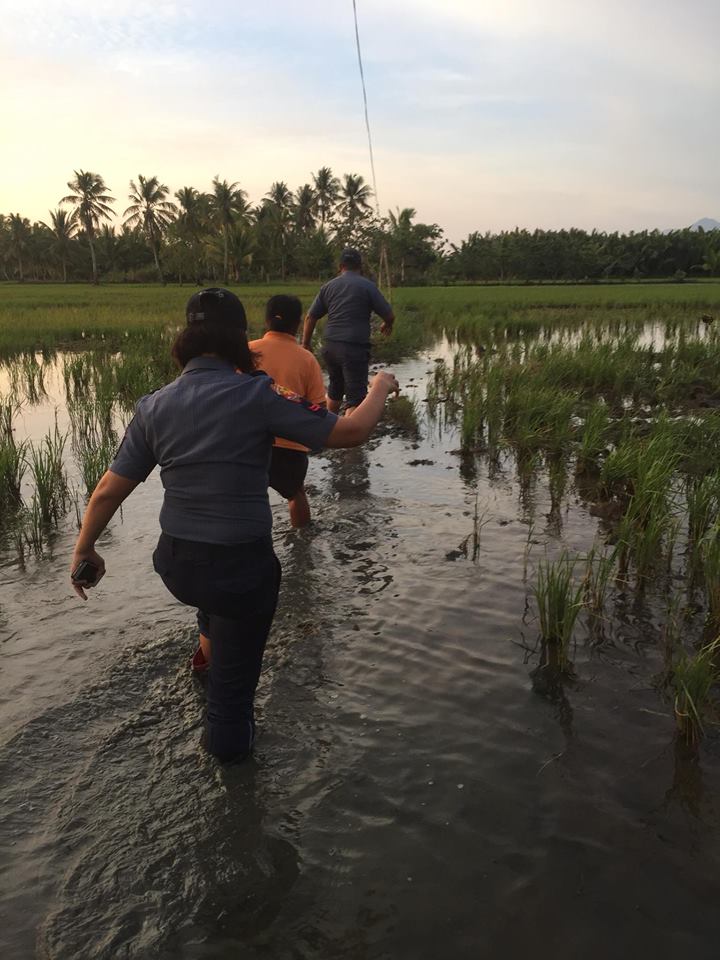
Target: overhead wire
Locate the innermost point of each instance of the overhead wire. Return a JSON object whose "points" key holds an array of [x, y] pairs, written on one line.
{"points": [[384, 266], [365, 104]]}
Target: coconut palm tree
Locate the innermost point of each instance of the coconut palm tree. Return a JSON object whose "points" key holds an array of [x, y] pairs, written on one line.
{"points": [[106, 243], [279, 206], [151, 212], [92, 205], [354, 200], [327, 190], [192, 223], [19, 234], [305, 205], [63, 229], [193, 208], [228, 204]]}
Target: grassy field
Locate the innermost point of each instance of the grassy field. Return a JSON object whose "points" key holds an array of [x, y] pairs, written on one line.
{"points": [[41, 317]]}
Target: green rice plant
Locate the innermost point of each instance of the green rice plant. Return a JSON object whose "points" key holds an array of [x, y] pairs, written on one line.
{"points": [[494, 403], [557, 485], [8, 410], [91, 420], [710, 556], [12, 469], [671, 636], [93, 461], [703, 505], [48, 473], [79, 376], [696, 439], [618, 469], [538, 418], [33, 378], [78, 502], [648, 540], [593, 435], [12, 461], [559, 601], [403, 413], [693, 677], [599, 570], [29, 530]]}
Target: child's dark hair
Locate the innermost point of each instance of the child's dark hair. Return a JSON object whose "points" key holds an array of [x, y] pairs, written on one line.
{"points": [[283, 313]]}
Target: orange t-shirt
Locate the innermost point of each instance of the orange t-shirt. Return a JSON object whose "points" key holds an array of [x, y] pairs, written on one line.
{"points": [[291, 366]]}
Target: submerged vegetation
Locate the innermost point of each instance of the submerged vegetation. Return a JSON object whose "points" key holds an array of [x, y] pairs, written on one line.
{"points": [[559, 600], [693, 677]]}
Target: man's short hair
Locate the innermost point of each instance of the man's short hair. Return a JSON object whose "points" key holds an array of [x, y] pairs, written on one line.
{"points": [[283, 313], [351, 258]]}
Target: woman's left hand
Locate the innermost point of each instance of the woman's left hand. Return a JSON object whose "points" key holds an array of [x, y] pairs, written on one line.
{"points": [[86, 556]]}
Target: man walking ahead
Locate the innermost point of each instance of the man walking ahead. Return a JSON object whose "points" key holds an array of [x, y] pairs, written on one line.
{"points": [[348, 300]]}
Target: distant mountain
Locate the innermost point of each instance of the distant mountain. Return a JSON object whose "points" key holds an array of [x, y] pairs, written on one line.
{"points": [[707, 223]]}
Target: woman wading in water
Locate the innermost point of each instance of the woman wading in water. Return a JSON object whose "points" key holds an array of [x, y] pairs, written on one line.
{"points": [[211, 431]]}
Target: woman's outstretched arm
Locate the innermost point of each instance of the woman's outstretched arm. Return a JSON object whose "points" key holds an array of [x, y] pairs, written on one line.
{"points": [[105, 500], [354, 429]]}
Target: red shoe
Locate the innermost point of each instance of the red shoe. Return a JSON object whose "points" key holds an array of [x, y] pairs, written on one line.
{"points": [[198, 663]]}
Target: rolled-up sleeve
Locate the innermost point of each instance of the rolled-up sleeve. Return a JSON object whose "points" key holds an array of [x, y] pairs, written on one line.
{"points": [[289, 416], [318, 308], [134, 459]]}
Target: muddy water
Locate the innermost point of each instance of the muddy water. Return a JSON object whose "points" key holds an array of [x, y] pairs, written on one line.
{"points": [[413, 793]]}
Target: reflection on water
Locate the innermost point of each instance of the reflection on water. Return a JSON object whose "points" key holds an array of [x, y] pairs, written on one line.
{"points": [[687, 788], [348, 472]]}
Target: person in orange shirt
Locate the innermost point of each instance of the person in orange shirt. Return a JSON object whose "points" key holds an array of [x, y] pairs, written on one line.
{"points": [[297, 372]]}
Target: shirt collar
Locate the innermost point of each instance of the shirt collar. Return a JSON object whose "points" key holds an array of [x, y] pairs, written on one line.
{"points": [[209, 363]]}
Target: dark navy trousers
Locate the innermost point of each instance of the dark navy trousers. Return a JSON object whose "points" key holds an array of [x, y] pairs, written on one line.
{"points": [[235, 590]]}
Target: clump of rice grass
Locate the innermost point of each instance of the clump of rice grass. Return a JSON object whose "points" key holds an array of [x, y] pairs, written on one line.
{"points": [[559, 601], [710, 557], [557, 482], [12, 462], [599, 570], [29, 530], [643, 471], [48, 473], [703, 506], [645, 539], [403, 414], [33, 378], [8, 411], [94, 459], [593, 436], [539, 418], [693, 677], [12, 469]]}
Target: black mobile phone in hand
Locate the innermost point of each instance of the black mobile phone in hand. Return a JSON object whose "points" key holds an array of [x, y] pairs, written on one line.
{"points": [[85, 573]]}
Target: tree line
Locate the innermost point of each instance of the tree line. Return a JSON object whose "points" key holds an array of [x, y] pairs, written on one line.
{"points": [[219, 236]]}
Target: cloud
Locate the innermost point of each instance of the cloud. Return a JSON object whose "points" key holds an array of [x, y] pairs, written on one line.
{"points": [[484, 115]]}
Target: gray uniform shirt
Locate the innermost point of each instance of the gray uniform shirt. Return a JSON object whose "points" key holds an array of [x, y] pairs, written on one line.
{"points": [[349, 300], [211, 431]]}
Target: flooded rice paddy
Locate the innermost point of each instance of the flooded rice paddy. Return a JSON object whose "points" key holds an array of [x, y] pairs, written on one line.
{"points": [[420, 788]]}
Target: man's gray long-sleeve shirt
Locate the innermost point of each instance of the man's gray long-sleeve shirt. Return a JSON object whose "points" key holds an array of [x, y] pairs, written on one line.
{"points": [[349, 300]]}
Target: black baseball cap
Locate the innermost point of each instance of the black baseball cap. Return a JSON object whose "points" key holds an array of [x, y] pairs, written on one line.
{"points": [[350, 257], [217, 306]]}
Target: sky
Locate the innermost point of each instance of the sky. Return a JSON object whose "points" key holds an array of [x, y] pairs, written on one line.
{"points": [[485, 114]]}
